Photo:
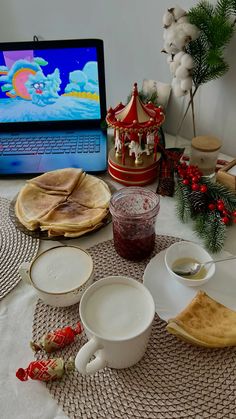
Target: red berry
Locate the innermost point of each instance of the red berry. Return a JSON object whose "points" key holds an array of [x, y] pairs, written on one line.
{"points": [[211, 206], [220, 201], [195, 187], [220, 207], [234, 220], [195, 179], [225, 212], [203, 188], [186, 182], [234, 213], [225, 220]]}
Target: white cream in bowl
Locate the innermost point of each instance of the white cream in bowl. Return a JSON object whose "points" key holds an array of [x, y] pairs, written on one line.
{"points": [[60, 275]]}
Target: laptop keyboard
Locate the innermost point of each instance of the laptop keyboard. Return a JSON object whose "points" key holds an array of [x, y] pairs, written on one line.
{"points": [[70, 144]]}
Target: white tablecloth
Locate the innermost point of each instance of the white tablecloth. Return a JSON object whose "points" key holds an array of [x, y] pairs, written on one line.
{"points": [[29, 400]]}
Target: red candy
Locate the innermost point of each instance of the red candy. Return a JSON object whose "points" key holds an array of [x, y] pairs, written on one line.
{"points": [[44, 370], [58, 339]]}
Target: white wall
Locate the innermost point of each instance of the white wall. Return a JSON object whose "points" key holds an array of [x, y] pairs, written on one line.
{"points": [[132, 33]]}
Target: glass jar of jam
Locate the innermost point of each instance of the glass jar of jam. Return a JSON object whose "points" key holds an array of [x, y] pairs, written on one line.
{"points": [[134, 211]]}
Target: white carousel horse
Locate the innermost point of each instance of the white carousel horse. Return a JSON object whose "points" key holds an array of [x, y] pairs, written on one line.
{"points": [[118, 143], [137, 150]]}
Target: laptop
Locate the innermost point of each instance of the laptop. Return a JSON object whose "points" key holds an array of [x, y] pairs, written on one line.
{"points": [[52, 106]]}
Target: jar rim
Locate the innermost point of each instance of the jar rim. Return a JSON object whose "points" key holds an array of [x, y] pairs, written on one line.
{"points": [[128, 191]]}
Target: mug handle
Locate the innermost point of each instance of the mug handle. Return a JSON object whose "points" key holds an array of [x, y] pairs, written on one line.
{"points": [[24, 272], [82, 360]]}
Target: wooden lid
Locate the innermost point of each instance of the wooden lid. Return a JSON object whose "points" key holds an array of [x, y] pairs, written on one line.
{"points": [[206, 143]]}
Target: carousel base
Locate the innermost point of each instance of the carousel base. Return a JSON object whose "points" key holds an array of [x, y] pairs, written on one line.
{"points": [[132, 174]]}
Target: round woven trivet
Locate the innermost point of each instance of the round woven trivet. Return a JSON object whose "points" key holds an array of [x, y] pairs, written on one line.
{"points": [[15, 248], [173, 380]]}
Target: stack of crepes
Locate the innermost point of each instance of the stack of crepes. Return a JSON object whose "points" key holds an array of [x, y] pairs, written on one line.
{"points": [[66, 202], [205, 322]]}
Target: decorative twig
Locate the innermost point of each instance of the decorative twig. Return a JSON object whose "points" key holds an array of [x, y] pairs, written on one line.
{"points": [[193, 114], [185, 114]]}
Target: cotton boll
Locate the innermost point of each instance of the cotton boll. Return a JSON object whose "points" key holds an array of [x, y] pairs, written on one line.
{"points": [[170, 49], [174, 35], [178, 12], [182, 72], [187, 61], [178, 56], [167, 19], [186, 84], [183, 19], [167, 48], [170, 33], [180, 39], [173, 67], [191, 30]]}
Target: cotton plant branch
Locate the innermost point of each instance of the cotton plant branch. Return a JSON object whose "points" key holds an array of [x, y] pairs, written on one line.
{"points": [[195, 42]]}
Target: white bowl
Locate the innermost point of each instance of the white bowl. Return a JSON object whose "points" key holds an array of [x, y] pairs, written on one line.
{"points": [[60, 275], [184, 249]]}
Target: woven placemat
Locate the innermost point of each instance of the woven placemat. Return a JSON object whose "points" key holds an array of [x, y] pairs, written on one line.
{"points": [[15, 248], [173, 380]]}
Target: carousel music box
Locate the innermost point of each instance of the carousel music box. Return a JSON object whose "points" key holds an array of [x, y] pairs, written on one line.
{"points": [[134, 159]]}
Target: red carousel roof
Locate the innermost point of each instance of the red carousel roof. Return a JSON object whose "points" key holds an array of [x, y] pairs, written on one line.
{"points": [[135, 115]]}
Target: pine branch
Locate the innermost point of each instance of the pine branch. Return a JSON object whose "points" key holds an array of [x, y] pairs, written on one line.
{"points": [[183, 207], [210, 228], [210, 205], [226, 8], [216, 32], [218, 191]]}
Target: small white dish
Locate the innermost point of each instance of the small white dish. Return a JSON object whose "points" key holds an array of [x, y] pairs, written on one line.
{"points": [[171, 297], [186, 249]]}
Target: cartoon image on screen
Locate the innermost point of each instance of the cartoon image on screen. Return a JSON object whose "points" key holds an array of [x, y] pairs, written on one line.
{"points": [[49, 85]]}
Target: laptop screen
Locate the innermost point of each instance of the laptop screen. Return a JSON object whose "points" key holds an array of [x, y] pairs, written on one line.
{"points": [[50, 82]]}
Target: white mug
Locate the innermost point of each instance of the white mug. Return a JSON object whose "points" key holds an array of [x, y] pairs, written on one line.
{"points": [[117, 314], [59, 275]]}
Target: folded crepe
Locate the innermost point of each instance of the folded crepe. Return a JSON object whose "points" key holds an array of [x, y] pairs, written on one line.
{"points": [[71, 217], [84, 200], [73, 234], [32, 204], [205, 322], [91, 192], [60, 181]]}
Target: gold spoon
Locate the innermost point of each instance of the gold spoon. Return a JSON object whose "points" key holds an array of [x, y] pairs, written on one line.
{"points": [[192, 268]]}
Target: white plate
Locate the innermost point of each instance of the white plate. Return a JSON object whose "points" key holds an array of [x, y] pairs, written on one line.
{"points": [[171, 297]]}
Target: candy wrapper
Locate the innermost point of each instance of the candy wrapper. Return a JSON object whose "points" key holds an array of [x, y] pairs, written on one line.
{"points": [[45, 369], [57, 339]]}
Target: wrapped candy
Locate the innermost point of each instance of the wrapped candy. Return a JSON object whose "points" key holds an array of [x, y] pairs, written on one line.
{"points": [[57, 339], [45, 369]]}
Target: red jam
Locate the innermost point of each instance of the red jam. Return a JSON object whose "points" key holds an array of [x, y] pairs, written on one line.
{"points": [[134, 212]]}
